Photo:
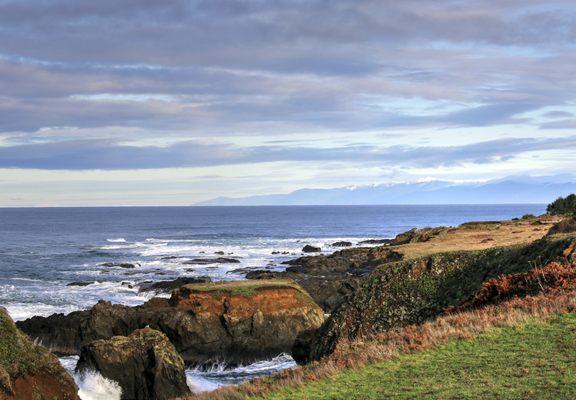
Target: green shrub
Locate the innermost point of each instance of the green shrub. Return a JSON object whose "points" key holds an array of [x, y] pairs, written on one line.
{"points": [[563, 206]]}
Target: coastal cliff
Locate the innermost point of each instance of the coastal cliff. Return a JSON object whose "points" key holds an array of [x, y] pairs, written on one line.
{"points": [[29, 371]]}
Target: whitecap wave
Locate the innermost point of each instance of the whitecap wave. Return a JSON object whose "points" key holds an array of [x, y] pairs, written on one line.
{"points": [[93, 386], [219, 374], [119, 240]]}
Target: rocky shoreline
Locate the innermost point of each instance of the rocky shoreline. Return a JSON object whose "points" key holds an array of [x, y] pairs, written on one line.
{"points": [[362, 289]]}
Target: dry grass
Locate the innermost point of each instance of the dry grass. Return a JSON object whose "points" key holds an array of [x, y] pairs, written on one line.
{"points": [[388, 345], [480, 236]]}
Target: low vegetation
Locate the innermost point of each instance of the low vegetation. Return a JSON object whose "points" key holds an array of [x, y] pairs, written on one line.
{"points": [[243, 288]]}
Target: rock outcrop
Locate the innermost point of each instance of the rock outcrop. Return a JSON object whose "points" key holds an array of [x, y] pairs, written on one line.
{"points": [[237, 322], [331, 279], [144, 364], [29, 371], [415, 290]]}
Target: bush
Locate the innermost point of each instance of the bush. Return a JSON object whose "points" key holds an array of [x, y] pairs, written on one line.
{"points": [[528, 216], [563, 206]]}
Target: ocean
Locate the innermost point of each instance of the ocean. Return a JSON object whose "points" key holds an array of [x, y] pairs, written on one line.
{"points": [[42, 250]]}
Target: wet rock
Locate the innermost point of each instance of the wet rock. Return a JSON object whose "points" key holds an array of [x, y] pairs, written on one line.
{"points": [[168, 286], [342, 244], [80, 283], [311, 249], [145, 365], [219, 260], [29, 371], [119, 265]]}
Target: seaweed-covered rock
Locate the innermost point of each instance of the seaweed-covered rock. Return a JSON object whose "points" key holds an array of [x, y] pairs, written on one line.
{"points": [[144, 364], [29, 371]]}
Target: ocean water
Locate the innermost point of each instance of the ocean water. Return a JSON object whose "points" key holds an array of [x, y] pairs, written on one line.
{"points": [[44, 249]]}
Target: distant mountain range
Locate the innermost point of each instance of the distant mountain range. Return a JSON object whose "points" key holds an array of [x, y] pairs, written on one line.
{"points": [[512, 190]]}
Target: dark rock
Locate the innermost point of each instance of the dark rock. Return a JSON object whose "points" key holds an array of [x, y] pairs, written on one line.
{"points": [[79, 283], [219, 252], [260, 274], [330, 279], [311, 249], [120, 265], [342, 244], [145, 365], [168, 286], [219, 260], [29, 371], [375, 241]]}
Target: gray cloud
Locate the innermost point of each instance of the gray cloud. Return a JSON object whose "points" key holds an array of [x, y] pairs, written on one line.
{"points": [[236, 65], [110, 155]]}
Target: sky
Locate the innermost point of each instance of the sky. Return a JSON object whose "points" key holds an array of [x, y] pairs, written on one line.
{"points": [[145, 102]]}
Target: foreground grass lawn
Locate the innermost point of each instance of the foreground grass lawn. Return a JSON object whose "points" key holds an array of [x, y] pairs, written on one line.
{"points": [[535, 361]]}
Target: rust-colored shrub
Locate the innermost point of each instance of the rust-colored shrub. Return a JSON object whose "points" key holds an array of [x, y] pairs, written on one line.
{"points": [[554, 276]]}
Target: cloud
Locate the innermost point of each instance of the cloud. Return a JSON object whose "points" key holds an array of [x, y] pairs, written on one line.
{"points": [[234, 65], [112, 155]]}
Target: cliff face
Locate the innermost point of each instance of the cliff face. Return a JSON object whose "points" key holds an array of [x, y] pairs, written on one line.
{"points": [[412, 291], [28, 371], [237, 322]]}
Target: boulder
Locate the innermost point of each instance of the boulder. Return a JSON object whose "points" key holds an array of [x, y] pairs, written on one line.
{"points": [[168, 286], [311, 249], [236, 322], [144, 364], [29, 371]]}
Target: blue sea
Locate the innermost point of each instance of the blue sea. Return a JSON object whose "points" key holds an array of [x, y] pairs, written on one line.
{"points": [[44, 249]]}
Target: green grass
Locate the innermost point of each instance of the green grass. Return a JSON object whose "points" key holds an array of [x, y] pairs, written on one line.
{"points": [[243, 288], [534, 361]]}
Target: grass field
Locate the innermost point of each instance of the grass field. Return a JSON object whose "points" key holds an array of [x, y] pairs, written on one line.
{"points": [[532, 361]]}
